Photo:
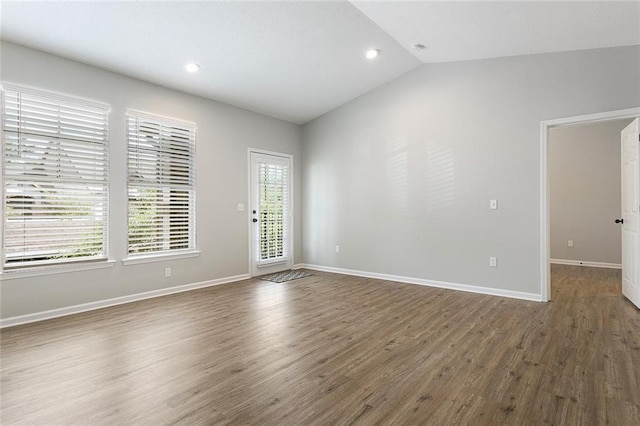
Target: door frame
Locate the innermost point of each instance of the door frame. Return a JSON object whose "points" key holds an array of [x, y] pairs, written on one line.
{"points": [[545, 231], [291, 239]]}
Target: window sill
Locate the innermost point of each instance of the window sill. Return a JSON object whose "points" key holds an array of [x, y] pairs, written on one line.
{"points": [[54, 269], [136, 260]]}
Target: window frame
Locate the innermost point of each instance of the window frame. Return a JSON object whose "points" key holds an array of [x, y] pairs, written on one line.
{"points": [[169, 254], [47, 266]]}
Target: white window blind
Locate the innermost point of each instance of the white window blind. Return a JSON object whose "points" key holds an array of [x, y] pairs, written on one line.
{"points": [[273, 191], [161, 184], [55, 174]]}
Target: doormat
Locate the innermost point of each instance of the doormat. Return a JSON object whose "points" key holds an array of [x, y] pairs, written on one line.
{"points": [[285, 276]]}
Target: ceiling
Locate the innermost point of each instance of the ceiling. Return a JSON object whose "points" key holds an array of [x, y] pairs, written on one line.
{"points": [[297, 60]]}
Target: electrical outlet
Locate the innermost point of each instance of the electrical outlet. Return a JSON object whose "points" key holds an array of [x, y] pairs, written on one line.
{"points": [[167, 272], [337, 249], [493, 262], [570, 243]]}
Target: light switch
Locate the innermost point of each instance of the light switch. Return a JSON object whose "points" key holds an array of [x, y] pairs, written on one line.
{"points": [[493, 204], [240, 207]]}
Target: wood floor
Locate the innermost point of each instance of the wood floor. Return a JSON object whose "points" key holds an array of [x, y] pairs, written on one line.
{"points": [[331, 349]]}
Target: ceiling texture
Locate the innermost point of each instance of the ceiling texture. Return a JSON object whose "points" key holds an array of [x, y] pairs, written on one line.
{"points": [[296, 60]]}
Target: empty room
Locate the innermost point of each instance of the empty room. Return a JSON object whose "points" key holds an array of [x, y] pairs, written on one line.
{"points": [[320, 213]]}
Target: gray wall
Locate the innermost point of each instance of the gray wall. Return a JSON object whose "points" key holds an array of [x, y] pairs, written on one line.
{"points": [[224, 134], [584, 183], [401, 177]]}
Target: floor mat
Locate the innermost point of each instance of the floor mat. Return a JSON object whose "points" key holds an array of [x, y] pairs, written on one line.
{"points": [[285, 276]]}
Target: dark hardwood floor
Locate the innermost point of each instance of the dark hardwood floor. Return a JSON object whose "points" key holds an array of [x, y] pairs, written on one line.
{"points": [[333, 349]]}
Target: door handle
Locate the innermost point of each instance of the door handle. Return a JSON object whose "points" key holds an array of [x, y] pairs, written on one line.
{"points": [[619, 220], [255, 220]]}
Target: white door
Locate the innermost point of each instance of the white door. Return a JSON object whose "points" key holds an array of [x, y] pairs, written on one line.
{"points": [[631, 212], [270, 213]]}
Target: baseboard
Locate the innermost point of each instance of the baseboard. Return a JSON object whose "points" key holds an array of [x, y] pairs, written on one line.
{"points": [[75, 309], [586, 263], [429, 283]]}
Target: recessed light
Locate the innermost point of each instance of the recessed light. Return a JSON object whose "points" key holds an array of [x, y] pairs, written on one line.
{"points": [[192, 67], [372, 53]]}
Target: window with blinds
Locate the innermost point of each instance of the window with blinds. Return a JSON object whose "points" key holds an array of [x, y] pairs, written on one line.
{"points": [[161, 184], [55, 178], [273, 192]]}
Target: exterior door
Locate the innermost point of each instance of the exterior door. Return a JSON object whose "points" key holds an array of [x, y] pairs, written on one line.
{"points": [[270, 213], [631, 212]]}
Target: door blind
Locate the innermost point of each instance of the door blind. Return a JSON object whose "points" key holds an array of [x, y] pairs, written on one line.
{"points": [[273, 181], [161, 184], [55, 167]]}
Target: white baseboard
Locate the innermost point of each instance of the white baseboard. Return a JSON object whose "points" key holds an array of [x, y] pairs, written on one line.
{"points": [[586, 263], [75, 309], [430, 283], [70, 310]]}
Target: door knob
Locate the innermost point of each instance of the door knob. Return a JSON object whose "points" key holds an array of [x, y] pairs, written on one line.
{"points": [[255, 220], [619, 220]]}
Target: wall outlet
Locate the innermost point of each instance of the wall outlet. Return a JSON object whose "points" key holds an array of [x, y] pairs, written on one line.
{"points": [[493, 204], [337, 249], [493, 262], [570, 243], [167, 272]]}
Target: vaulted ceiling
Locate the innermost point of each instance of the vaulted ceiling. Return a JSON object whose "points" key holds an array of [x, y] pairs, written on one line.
{"points": [[297, 60]]}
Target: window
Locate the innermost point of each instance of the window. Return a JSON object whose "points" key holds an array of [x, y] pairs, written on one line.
{"points": [[161, 184], [273, 191], [55, 186]]}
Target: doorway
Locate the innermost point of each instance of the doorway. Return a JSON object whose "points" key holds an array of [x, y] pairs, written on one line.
{"points": [[545, 225], [271, 219]]}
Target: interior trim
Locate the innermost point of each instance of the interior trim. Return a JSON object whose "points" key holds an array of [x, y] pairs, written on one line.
{"points": [[75, 309], [59, 268], [429, 283], [586, 263], [545, 208]]}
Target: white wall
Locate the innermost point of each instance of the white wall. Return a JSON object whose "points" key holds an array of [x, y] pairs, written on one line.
{"points": [[224, 134], [584, 184], [401, 177]]}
